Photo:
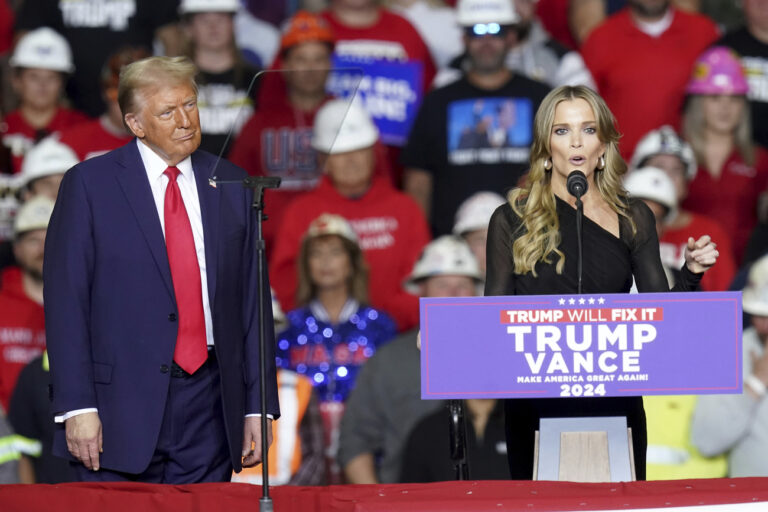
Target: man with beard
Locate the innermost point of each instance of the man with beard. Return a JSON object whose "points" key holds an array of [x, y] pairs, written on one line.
{"points": [[490, 105], [22, 324], [641, 60]]}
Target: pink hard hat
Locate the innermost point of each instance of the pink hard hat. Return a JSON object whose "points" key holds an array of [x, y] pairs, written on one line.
{"points": [[718, 71]]}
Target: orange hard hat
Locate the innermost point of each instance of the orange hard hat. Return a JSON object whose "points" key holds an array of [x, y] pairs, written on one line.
{"points": [[305, 27]]}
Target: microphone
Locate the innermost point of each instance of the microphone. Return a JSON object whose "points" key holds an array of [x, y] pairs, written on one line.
{"points": [[577, 184]]}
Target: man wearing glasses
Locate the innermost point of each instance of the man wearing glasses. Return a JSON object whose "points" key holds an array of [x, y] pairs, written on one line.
{"points": [[474, 134]]}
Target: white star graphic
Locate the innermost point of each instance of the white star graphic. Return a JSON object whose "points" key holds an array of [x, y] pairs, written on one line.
{"points": [[591, 300], [581, 300], [571, 301], [601, 300], [561, 301]]}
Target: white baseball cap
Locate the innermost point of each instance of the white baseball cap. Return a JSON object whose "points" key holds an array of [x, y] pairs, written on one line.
{"points": [[43, 48], [32, 215], [342, 126], [472, 12], [755, 294], [475, 212], [46, 158], [446, 255], [330, 224]]}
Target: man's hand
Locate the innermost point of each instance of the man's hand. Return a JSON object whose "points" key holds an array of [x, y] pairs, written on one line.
{"points": [[700, 254], [84, 441], [252, 440]]}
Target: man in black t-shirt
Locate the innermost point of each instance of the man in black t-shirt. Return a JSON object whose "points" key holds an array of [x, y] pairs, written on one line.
{"points": [[475, 133], [95, 29], [751, 43]]}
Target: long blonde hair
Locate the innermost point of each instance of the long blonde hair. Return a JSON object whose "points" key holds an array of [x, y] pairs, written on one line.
{"points": [[535, 203], [694, 124]]}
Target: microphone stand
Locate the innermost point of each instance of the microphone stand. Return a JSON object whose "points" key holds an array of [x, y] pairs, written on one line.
{"points": [[258, 184], [579, 260], [458, 439], [577, 185]]}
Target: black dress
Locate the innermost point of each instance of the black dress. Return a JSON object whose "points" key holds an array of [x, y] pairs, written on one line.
{"points": [[609, 264]]}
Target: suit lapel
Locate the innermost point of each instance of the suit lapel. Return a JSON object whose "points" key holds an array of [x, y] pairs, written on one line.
{"points": [[133, 180], [209, 208]]}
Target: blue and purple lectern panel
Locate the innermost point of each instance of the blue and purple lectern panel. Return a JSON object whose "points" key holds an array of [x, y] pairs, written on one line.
{"points": [[581, 345]]}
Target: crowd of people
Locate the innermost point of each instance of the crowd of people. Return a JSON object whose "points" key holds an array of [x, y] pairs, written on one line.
{"points": [[423, 147]]}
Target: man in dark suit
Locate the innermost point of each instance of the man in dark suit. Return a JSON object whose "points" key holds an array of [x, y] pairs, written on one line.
{"points": [[151, 299]]}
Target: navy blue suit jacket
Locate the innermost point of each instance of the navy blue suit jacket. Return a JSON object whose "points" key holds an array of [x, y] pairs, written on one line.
{"points": [[110, 307]]}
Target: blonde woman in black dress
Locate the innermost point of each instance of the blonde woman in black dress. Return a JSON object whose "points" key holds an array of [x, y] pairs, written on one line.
{"points": [[532, 248]]}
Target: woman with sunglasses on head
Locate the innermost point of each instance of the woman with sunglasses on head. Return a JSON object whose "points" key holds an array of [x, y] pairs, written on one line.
{"points": [[532, 248]]}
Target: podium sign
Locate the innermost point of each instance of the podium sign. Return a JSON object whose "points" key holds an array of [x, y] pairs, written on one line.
{"points": [[540, 346]]}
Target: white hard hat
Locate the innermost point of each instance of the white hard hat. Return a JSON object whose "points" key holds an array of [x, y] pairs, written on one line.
{"points": [[664, 141], [472, 12], [342, 126], [653, 184], [330, 224], [755, 295], [46, 158], [43, 48], [475, 212], [446, 255], [32, 215], [194, 6]]}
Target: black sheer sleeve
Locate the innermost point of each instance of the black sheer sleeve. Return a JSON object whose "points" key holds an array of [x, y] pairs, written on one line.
{"points": [[646, 259], [499, 274]]}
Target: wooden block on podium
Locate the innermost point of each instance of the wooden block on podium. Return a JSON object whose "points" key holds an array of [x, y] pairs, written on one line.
{"points": [[584, 450]]}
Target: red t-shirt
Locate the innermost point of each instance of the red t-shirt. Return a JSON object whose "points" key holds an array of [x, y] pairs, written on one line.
{"points": [[391, 230], [643, 78], [20, 136], [732, 197], [553, 14], [22, 331], [391, 37], [92, 139], [6, 27], [276, 142], [673, 243]]}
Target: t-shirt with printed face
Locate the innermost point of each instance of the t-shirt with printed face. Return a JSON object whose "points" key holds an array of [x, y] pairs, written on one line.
{"points": [[95, 29], [473, 139], [754, 58]]}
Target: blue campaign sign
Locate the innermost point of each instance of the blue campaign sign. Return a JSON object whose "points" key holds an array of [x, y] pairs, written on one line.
{"points": [[581, 345], [391, 92]]}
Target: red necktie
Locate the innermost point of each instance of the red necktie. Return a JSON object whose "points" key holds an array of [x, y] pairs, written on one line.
{"points": [[191, 346]]}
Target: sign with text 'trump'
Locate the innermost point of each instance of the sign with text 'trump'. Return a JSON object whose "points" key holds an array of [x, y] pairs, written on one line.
{"points": [[581, 345]]}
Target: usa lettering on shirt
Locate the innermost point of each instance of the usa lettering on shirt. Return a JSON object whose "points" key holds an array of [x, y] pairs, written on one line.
{"points": [[112, 14], [287, 152]]}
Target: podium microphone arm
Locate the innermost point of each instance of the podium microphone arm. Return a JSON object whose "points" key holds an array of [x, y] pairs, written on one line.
{"points": [[577, 187]]}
